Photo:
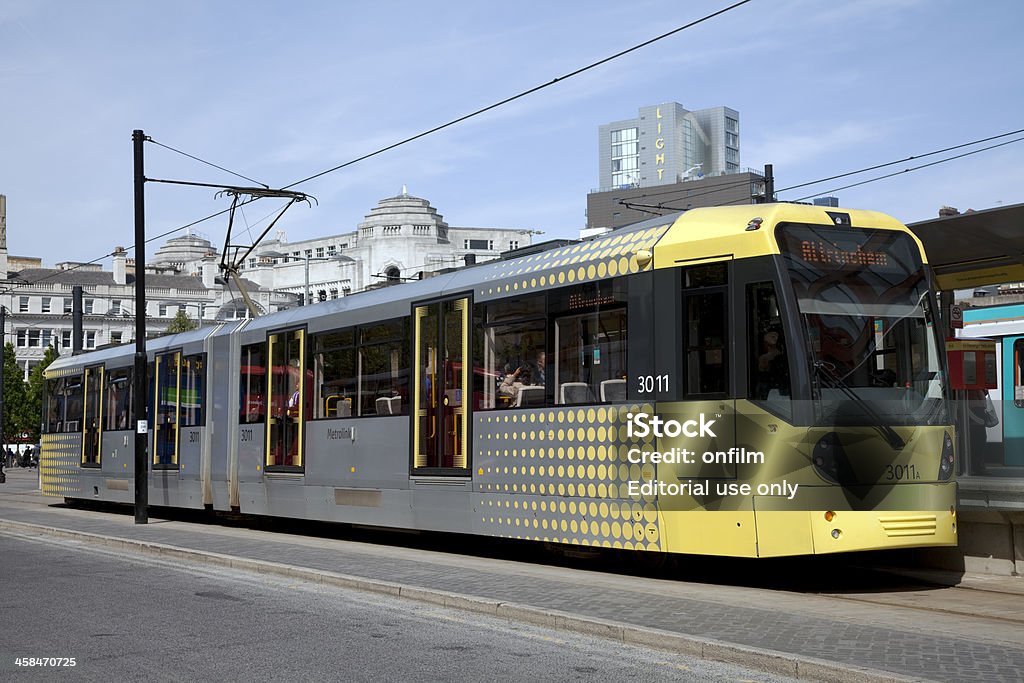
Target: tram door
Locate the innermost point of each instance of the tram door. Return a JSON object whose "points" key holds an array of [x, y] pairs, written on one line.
{"points": [[441, 389], [165, 425], [92, 417], [287, 400]]}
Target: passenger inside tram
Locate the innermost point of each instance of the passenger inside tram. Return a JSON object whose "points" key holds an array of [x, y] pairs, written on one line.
{"points": [[512, 385]]}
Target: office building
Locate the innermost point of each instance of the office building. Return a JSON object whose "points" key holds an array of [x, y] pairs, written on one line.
{"points": [[667, 144]]}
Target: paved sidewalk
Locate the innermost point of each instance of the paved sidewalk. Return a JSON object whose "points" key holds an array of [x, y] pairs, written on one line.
{"points": [[850, 637]]}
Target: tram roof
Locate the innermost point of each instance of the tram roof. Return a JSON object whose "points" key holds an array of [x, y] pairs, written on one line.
{"points": [[976, 248]]}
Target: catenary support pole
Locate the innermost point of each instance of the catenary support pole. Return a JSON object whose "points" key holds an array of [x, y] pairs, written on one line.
{"points": [[140, 383]]}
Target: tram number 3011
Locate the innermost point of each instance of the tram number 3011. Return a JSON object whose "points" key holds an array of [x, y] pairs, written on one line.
{"points": [[901, 472], [652, 383]]}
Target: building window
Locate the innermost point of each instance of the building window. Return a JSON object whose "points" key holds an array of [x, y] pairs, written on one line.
{"points": [[22, 304], [513, 244], [67, 305], [252, 263], [89, 304], [65, 339], [480, 245], [116, 337], [732, 125], [319, 252], [309, 252], [334, 293], [22, 338], [625, 158], [162, 310], [46, 304], [331, 249], [90, 340], [115, 307], [47, 334]]}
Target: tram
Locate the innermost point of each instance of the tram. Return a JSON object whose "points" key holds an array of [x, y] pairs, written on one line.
{"points": [[750, 381], [998, 437]]}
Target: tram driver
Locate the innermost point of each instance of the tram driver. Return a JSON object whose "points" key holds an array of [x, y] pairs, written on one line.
{"points": [[772, 366]]}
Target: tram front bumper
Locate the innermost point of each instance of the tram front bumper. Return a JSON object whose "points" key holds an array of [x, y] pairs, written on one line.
{"points": [[929, 520]]}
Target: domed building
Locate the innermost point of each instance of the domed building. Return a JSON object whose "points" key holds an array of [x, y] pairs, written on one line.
{"points": [[402, 238]]}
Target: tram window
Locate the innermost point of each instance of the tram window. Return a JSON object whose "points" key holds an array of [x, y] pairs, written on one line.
{"points": [[288, 398], [590, 342], [57, 392], [335, 374], [510, 354], [73, 404], [165, 447], [118, 411], [710, 275], [92, 416], [768, 362], [384, 368], [192, 395], [706, 348], [253, 408]]}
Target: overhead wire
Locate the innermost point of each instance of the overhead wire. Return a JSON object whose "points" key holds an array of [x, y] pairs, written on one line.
{"points": [[908, 170], [520, 95], [208, 163], [900, 161], [435, 129]]}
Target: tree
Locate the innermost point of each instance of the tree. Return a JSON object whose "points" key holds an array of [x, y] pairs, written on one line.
{"points": [[15, 397], [181, 323], [35, 392]]}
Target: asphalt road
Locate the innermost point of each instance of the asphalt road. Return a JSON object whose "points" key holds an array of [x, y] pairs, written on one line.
{"points": [[131, 617]]}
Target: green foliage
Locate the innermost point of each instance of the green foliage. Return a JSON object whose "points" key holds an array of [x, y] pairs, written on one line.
{"points": [[17, 415], [181, 323], [35, 391]]}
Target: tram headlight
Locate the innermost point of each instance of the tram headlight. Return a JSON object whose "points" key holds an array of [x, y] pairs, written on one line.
{"points": [[946, 461]]}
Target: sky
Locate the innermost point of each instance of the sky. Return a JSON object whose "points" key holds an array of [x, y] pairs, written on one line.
{"points": [[278, 92]]}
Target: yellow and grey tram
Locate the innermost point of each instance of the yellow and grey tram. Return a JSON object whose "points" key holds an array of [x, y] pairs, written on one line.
{"points": [[748, 381]]}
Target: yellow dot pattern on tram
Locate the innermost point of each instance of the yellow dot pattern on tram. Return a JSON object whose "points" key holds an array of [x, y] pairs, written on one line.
{"points": [[599, 258], [59, 461], [561, 475]]}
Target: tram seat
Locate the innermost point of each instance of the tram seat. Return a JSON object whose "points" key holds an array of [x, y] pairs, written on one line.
{"points": [[337, 406], [577, 392], [389, 405], [530, 396], [613, 391]]}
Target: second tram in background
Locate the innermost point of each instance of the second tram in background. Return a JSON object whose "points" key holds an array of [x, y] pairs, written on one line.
{"points": [[749, 381]]}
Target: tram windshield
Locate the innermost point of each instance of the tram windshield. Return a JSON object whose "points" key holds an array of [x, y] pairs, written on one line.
{"points": [[866, 310]]}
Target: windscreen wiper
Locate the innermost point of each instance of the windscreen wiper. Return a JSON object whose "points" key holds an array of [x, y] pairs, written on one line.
{"points": [[828, 372]]}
